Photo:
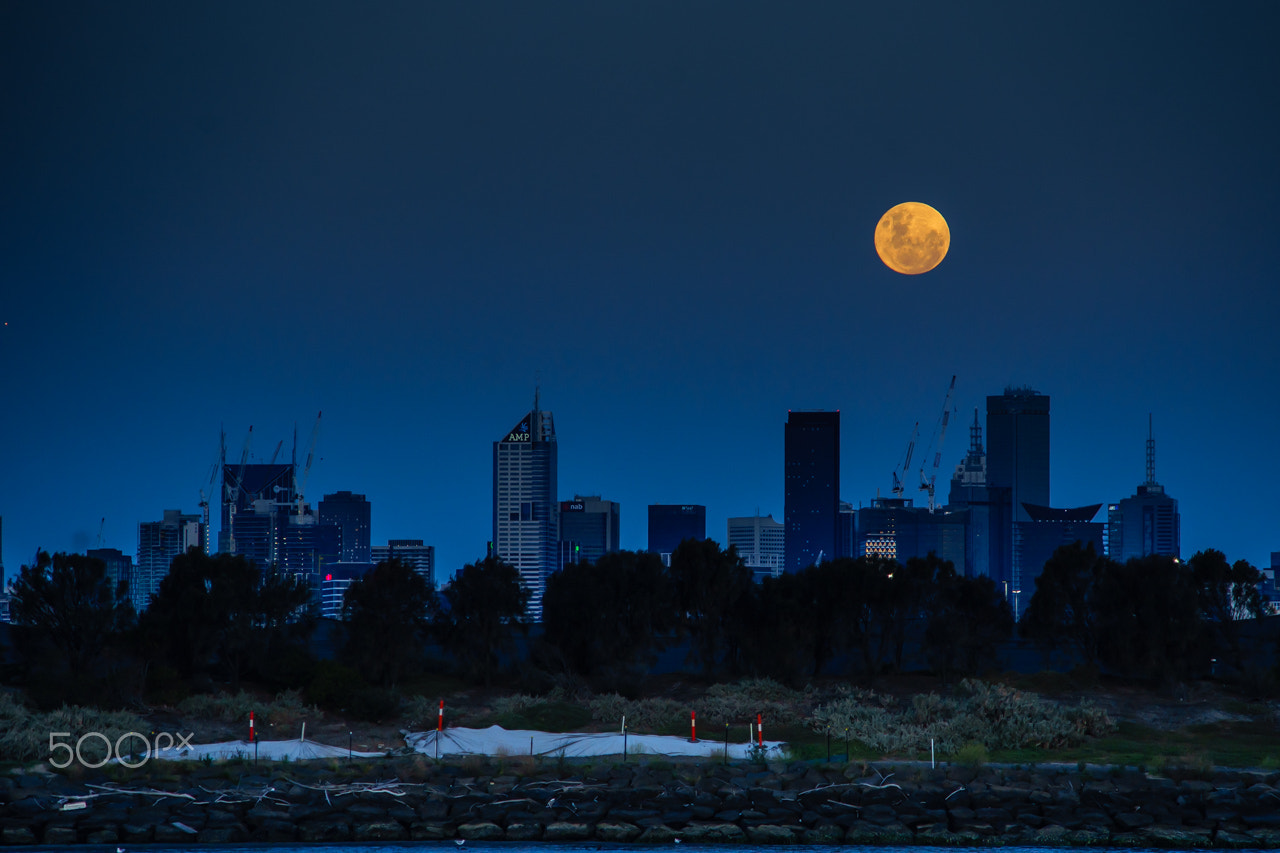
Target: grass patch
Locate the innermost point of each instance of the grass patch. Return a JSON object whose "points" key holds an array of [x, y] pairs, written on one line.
{"points": [[546, 717]]}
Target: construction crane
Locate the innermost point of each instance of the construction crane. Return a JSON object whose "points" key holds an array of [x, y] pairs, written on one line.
{"points": [[928, 481], [233, 492], [206, 491], [101, 525], [898, 488], [306, 471]]}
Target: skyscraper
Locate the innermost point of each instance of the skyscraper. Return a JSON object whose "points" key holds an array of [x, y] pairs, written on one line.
{"points": [[417, 556], [1146, 523], [255, 498], [350, 514], [812, 488], [1034, 541], [158, 543], [1017, 471], [969, 492], [526, 515], [589, 526], [671, 524], [119, 566], [760, 544]]}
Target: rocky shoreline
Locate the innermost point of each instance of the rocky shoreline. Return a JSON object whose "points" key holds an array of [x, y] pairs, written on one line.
{"points": [[645, 801]]}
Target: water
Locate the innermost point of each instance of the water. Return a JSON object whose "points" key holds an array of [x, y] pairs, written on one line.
{"points": [[539, 847]]}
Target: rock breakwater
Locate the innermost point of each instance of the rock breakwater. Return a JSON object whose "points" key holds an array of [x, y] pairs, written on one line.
{"points": [[647, 802]]}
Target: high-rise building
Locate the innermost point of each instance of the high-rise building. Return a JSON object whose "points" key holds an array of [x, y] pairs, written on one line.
{"points": [[335, 582], [969, 493], [1146, 523], [1034, 541], [812, 488], [1270, 586], [760, 544], [264, 491], [526, 511], [671, 524], [421, 558], [896, 529], [350, 514], [1017, 472], [158, 543], [118, 565], [589, 526]]}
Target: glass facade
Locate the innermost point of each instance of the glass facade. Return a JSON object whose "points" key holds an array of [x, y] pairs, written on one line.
{"points": [[811, 487]]}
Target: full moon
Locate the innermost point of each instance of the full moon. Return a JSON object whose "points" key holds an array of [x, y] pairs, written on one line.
{"points": [[912, 238]]}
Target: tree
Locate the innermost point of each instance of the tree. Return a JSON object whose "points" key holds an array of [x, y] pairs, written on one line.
{"points": [[1149, 620], [215, 614], [387, 614], [1226, 592], [481, 608], [968, 620], [1063, 612], [712, 587], [869, 609], [65, 604], [608, 617], [907, 599]]}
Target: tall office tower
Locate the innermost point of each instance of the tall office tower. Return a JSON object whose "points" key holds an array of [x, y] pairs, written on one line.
{"points": [[847, 530], [1146, 523], [158, 543], [1017, 473], [812, 487], [421, 558], [671, 524], [589, 526], [526, 512], [760, 544], [1045, 531], [265, 492], [969, 492], [118, 564], [350, 514]]}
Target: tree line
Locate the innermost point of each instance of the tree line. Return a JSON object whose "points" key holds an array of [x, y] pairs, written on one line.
{"points": [[220, 620]]}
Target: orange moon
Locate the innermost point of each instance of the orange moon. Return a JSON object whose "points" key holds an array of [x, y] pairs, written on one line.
{"points": [[912, 238]]}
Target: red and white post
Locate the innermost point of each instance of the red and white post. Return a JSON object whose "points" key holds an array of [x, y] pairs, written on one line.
{"points": [[251, 732], [440, 719], [693, 727], [760, 729]]}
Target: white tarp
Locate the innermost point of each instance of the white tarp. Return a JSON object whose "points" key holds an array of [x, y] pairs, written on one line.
{"points": [[496, 740]]}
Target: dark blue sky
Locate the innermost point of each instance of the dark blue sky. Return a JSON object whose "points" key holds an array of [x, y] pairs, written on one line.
{"points": [[402, 214]]}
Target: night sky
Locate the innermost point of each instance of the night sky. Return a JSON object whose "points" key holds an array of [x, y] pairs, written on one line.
{"points": [[408, 215]]}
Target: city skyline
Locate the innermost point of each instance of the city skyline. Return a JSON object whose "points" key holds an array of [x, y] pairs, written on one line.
{"points": [[265, 472], [409, 216]]}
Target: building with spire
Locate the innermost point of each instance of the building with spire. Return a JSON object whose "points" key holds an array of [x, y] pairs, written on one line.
{"points": [[526, 513], [969, 492], [1146, 523]]}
